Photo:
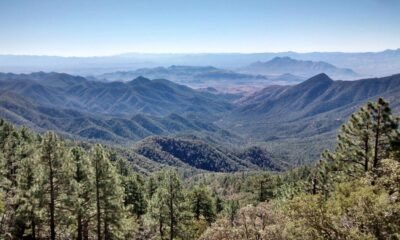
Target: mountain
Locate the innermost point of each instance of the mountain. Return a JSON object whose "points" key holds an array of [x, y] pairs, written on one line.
{"points": [[369, 64], [287, 65], [116, 129], [156, 97], [200, 155], [287, 121], [113, 112], [195, 76], [316, 106], [296, 123]]}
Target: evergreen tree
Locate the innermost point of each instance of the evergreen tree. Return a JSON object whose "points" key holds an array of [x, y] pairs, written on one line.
{"points": [[367, 138], [320, 175], [232, 210], [201, 204], [134, 195], [355, 142], [109, 196], [385, 128], [56, 178], [219, 205], [168, 206], [83, 192], [265, 188], [31, 206], [151, 187]]}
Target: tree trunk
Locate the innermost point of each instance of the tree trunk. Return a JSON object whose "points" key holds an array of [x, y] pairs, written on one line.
{"points": [[80, 228], [106, 230], [171, 214], [377, 135], [314, 186], [85, 230], [98, 213], [160, 227], [33, 227], [52, 203], [366, 153], [197, 208]]}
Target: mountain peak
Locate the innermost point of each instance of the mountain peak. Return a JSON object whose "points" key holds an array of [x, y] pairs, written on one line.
{"points": [[140, 80], [282, 59], [318, 79], [302, 68]]}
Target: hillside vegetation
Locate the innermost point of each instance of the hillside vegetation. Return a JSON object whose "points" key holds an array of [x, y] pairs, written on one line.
{"points": [[57, 189], [293, 123]]}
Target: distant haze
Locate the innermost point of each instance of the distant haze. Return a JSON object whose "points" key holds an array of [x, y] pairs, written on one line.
{"points": [[366, 64]]}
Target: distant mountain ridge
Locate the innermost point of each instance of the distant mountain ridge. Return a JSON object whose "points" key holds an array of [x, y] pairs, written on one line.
{"points": [[84, 125], [194, 76], [114, 112], [370, 64], [287, 65], [303, 118], [318, 105], [156, 97]]}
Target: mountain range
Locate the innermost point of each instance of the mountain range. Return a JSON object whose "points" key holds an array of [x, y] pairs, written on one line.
{"points": [[369, 64], [301, 68], [318, 105], [156, 97], [163, 118], [182, 74]]}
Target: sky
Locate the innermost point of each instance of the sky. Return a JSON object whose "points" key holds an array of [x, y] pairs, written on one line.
{"points": [[109, 27]]}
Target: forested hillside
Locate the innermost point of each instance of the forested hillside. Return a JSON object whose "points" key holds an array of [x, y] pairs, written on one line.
{"points": [[60, 189], [293, 123]]}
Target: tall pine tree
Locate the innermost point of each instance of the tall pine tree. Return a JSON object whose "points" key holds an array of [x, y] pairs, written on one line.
{"points": [[108, 195], [367, 138]]}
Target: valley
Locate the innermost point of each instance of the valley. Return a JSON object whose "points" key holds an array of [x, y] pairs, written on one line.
{"points": [[286, 121]]}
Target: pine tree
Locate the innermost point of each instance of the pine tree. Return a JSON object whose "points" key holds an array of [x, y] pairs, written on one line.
{"points": [[16, 146], [83, 197], [109, 195], [201, 204], [321, 177], [265, 188], [134, 198], [56, 176], [385, 128], [367, 138], [219, 205], [31, 207], [355, 142], [151, 187], [168, 206]]}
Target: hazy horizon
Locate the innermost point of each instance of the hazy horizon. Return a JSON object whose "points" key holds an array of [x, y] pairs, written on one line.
{"points": [[195, 53]]}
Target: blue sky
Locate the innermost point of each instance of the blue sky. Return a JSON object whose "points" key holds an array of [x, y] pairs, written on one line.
{"points": [[107, 27]]}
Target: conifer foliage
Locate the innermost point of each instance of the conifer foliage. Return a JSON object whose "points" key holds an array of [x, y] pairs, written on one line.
{"points": [[51, 188]]}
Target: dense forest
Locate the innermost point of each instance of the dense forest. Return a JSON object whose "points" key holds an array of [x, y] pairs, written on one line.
{"points": [[54, 188]]}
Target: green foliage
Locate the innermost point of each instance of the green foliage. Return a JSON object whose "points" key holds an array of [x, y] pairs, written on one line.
{"points": [[109, 195], [367, 138], [352, 193], [168, 207], [134, 199], [201, 204], [56, 189]]}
